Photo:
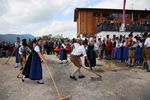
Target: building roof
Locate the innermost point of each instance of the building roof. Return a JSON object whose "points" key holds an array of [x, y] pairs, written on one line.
{"points": [[105, 9]]}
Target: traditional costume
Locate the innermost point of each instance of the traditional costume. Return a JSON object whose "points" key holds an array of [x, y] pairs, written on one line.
{"points": [[91, 54], [132, 47], [77, 52], [36, 65], [17, 45], [62, 53], [118, 52], [147, 47], [138, 52], [109, 49], [26, 69], [23, 52]]}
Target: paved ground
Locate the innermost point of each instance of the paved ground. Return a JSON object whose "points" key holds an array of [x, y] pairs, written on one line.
{"points": [[119, 83]]}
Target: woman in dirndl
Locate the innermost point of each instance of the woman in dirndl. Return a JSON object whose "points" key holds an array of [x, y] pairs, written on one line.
{"points": [[17, 45], [138, 53], [91, 55], [36, 63], [125, 51], [114, 49], [26, 70], [62, 53], [118, 52]]}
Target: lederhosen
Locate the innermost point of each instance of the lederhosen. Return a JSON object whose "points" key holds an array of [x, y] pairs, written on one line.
{"points": [[76, 60], [24, 54], [131, 50]]}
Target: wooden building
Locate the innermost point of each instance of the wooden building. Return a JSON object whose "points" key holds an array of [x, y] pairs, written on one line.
{"points": [[89, 18]]}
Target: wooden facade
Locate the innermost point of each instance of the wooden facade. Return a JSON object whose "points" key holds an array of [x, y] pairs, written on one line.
{"points": [[88, 18], [86, 23]]}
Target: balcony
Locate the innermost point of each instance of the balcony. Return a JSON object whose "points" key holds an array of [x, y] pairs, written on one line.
{"points": [[128, 27]]}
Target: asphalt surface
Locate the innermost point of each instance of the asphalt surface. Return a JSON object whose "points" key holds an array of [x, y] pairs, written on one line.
{"points": [[118, 82]]}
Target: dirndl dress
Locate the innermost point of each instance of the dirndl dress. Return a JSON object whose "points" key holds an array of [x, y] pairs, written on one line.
{"points": [[125, 53], [36, 67], [138, 54], [26, 70], [113, 54], [17, 55], [62, 54], [118, 53], [91, 54]]}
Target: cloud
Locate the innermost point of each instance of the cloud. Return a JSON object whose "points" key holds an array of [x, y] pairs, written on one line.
{"points": [[50, 16], [27, 16], [3, 7], [118, 4], [66, 28]]}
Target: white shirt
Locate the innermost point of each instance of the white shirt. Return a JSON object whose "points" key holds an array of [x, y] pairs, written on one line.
{"points": [[147, 42], [37, 48], [22, 49], [95, 46], [78, 50], [17, 44], [63, 45]]}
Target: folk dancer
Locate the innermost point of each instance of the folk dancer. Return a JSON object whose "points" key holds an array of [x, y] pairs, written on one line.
{"points": [[147, 49], [17, 45], [132, 44], [26, 69], [77, 52], [62, 53], [36, 63], [23, 52], [91, 54]]}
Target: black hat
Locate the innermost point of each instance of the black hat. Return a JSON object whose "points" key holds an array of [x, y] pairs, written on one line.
{"points": [[24, 42]]}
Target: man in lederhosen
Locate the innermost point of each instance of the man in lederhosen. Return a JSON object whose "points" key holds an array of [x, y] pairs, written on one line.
{"points": [[147, 49], [132, 46], [77, 52]]}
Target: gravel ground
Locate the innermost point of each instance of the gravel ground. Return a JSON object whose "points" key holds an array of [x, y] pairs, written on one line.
{"points": [[118, 82]]}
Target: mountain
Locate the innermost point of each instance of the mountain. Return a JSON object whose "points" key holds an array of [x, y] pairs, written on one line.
{"points": [[12, 37]]}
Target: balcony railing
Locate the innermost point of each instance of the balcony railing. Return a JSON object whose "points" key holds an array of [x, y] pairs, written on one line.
{"points": [[128, 27]]}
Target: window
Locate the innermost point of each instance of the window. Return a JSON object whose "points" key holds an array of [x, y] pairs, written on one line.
{"points": [[121, 15], [114, 15]]}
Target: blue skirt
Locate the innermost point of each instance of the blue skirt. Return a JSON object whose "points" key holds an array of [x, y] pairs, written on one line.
{"points": [[118, 53], [17, 55], [125, 53], [62, 54], [35, 68], [91, 54], [138, 54], [113, 54]]}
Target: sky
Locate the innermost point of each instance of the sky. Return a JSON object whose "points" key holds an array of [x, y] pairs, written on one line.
{"points": [[42, 17]]}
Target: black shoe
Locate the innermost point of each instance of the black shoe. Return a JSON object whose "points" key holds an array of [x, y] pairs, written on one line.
{"points": [[40, 82], [67, 62], [82, 76], [21, 68], [145, 65], [16, 67], [73, 77], [23, 80], [131, 65], [148, 70]]}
